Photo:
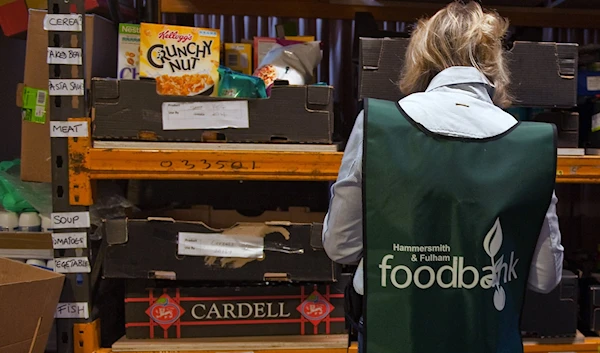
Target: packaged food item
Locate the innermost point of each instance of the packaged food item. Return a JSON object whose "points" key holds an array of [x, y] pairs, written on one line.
{"points": [[238, 57], [237, 85], [294, 63], [128, 65], [183, 60], [262, 46]]}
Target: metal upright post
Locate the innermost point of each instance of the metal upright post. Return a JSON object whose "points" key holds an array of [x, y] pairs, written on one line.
{"points": [[65, 24]]}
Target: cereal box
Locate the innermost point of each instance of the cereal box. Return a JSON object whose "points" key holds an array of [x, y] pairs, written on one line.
{"points": [[183, 60], [129, 52], [238, 57]]}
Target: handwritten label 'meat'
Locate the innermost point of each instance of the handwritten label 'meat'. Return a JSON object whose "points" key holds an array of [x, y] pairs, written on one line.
{"points": [[68, 129]]}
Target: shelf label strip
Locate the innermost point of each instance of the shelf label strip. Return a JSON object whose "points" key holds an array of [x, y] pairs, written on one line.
{"points": [[66, 87], [72, 265], [70, 220], [69, 129], [69, 240], [64, 56], [63, 22], [72, 311]]}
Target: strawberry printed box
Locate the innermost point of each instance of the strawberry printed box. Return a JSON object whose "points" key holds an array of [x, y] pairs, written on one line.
{"points": [[155, 311]]}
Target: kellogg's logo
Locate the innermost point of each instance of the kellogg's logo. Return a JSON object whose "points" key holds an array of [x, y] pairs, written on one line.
{"points": [[180, 38], [165, 311], [315, 308]]}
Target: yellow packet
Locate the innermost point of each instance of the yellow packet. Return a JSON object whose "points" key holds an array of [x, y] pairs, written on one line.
{"points": [[183, 60]]}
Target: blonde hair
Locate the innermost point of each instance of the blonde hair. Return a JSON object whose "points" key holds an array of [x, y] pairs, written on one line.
{"points": [[458, 35]]}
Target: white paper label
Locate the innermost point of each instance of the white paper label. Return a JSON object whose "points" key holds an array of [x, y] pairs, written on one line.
{"points": [[205, 115], [596, 122], [72, 311], [220, 245], [72, 265], [66, 87], [64, 56], [68, 220], [593, 83], [69, 240], [63, 22], [69, 129]]}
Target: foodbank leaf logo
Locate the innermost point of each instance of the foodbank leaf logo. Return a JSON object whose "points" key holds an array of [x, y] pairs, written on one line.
{"points": [[492, 244]]}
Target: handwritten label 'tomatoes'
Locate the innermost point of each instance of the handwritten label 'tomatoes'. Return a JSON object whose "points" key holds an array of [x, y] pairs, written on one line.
{"points": [[69, 240]]}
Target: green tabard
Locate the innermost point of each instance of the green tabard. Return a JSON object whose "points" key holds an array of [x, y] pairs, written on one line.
{"points": [[451, 225]]}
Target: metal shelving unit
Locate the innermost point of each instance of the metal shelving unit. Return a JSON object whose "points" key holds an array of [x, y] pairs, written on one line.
{"points": [[76, 163]]}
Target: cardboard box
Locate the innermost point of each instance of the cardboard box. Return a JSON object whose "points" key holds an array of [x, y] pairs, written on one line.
{"points": [[101, 60], [553, 314], [275, 246], [542, 74], [567, 126], [29, 299], [180, 311], [132, 110]]}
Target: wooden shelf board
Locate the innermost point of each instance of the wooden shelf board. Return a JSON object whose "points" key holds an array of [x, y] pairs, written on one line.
{"points": [[271, 344], [383, 11]]}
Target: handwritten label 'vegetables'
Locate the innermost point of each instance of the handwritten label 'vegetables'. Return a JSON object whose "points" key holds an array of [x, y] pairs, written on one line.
{"points": [[68, 220], [69, 129], [220, 245], [69, 240], [205, 115], [72, 265], [66, 87], [63, 22], [64, 56], [72, 311]]}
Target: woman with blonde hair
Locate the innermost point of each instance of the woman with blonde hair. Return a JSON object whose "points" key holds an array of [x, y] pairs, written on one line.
{"points": [[446, 201]]}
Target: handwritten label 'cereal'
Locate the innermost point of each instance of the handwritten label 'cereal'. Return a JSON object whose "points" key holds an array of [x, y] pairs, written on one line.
{"points": [[183, 60], [63, 23]]}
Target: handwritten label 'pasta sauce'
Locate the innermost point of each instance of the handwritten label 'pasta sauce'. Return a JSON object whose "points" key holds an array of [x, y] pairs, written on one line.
{"points": [[183, 60]]}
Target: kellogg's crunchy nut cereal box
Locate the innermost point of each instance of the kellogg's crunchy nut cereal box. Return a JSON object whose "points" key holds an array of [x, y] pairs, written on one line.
{"points": [[183, 60]]}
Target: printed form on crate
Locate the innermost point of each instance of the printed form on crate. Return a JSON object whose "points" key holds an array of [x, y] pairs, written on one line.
{"points": [[183, 60]]}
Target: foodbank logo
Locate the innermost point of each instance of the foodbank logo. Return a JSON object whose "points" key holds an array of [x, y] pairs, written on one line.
{"points": [[165, 311], [457, 274], [492, 244]]}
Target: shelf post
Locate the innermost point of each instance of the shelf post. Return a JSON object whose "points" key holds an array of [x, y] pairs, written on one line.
{"points": [[67, 95]]}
